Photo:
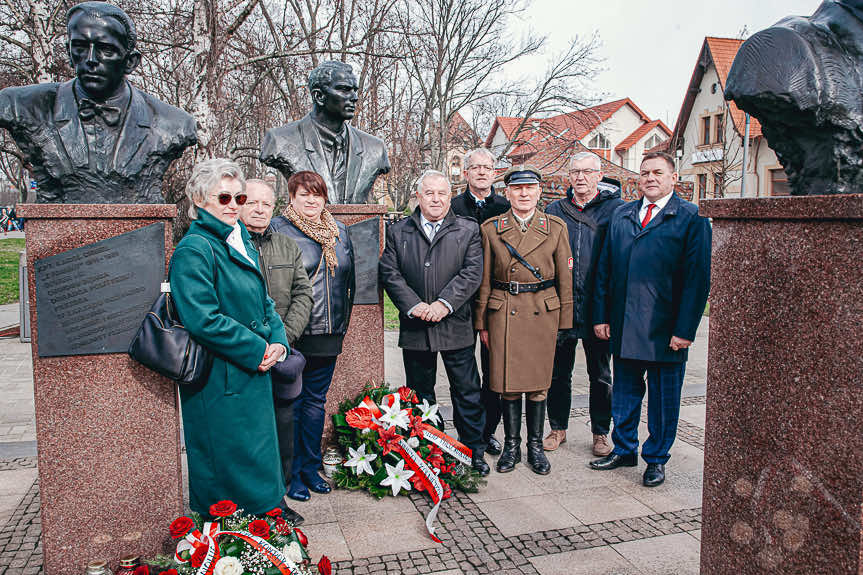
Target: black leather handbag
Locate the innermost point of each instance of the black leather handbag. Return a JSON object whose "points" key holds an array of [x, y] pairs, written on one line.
{"points": [[166, 347]]}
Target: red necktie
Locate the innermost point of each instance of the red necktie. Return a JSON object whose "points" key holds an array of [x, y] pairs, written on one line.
{"points": [[646, 219]]}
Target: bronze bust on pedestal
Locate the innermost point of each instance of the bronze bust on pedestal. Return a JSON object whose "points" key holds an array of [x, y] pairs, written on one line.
{"points": [[349, 160], [96, 139]]}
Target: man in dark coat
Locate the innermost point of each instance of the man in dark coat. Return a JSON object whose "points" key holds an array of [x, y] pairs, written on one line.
{"points": [[651, 286], [431, 268], [586, 210], [481, 203]]}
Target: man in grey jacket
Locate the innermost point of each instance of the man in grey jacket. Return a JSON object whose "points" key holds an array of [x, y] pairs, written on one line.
{"points": [[431, 268]]}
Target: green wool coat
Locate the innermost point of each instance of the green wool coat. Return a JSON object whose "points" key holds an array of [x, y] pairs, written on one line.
{"points": [[229, 423]]}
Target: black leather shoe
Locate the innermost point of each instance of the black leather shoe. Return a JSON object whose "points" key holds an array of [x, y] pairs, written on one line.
{"points": [[479, 465], [317, 484], [493, 447], [511, 453], [614, 461], [536, 459], [290, 515], [299, 492], [654, 475]]}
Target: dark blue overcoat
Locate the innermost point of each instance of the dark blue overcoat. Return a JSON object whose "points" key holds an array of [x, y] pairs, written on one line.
{"points": [[652, 283]]}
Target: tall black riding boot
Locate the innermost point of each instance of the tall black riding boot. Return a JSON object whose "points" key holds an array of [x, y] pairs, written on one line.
{"points": [[536, 458], [511, 453]]}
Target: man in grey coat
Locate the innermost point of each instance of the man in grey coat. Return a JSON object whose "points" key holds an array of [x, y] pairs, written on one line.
{"points": [[431, 268]]}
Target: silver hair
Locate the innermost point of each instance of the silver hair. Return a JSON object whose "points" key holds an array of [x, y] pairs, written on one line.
{"points": [[583, 155], [470, 154], [432, 174], [205, 176], [261, 182]]}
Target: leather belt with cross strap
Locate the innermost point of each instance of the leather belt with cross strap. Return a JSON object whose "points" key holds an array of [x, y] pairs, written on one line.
{"points": [[516, 288]]}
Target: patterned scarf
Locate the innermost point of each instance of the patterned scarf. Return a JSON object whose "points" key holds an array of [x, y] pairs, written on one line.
{"points": [[324, 232]]}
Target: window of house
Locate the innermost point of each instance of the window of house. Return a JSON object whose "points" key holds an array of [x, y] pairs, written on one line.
{"points": [[652, 141], [705, 131], [718, 188], [599, 142], [720, 128], [779, 183], [702, 185]]}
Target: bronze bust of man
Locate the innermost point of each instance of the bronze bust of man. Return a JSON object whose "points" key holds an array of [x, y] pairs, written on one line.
{"points": [[349, 160], [96, 139], [801, 78]]}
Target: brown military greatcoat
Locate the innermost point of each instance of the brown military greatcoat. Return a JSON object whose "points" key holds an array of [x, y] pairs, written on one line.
{"points": [[523, 328]]}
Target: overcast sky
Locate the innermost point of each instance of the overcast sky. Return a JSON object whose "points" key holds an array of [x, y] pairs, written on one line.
{"points": [[650, 47]]}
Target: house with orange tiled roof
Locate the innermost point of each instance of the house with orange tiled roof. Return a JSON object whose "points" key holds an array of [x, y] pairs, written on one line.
{"points": [[708, 137], [617, 131]]}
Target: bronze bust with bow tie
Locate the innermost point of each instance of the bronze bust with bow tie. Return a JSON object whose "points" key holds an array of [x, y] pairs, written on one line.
{"points": [[96, 139], [349, 160]]}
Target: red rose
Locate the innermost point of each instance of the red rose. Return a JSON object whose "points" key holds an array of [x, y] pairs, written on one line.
{"points": [[142, 570], [169, 572], [198, 556], [223, 508], [274, 512], [180, 526], [324, 566], [301, 537], [359, 418], [260, 528]]}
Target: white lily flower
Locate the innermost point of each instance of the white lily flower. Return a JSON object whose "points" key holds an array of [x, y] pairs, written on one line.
{"points": [[360, 460], [394, 415], [429, 411], [397, 477]]}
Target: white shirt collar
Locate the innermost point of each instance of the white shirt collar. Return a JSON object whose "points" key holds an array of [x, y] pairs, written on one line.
{"points": [[525, 219], [235, 240], [476, 198], [660, 203]]}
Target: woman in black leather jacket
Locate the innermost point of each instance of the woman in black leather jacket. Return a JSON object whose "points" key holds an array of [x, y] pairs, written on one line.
{"points": [[328, 257]]}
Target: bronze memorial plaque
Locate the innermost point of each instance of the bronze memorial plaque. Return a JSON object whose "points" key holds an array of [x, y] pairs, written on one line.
{"points": [[92, 299], [366, 239]]}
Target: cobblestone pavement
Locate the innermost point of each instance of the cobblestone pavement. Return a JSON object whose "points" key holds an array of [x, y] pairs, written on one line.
{"points": [[572, 521]]}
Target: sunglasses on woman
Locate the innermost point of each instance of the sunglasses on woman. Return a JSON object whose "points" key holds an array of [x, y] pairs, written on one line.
{"points": [[225, 198]]}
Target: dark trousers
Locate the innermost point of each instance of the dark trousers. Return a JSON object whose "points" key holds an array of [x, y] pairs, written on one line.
{"points": [[490, 399], [664, 385], [597, 352], [309, 416], [464, 386], [285, 428]]}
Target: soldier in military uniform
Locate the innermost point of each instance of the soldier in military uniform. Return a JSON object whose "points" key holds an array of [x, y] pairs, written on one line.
{"points": [[524, 299]]}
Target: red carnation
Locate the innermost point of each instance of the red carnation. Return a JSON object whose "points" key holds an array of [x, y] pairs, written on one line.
{"points": [[274, 512], [406, 394], [169, 572], [324, 566], [223, 508], [301, 537], [198, 556], [447, 492], [260, 528], [417, 482], [141, 570], [359, 418], [180, 526], [282, 526]]}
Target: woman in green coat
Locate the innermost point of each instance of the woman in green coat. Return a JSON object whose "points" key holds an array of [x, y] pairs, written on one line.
{"points": [[229, 423]]}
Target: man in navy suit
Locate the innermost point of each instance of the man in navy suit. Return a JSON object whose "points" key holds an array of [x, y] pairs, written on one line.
{"points": [[651, 287]]}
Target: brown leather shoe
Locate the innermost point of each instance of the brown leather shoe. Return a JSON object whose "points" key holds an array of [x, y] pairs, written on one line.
{"points": [[553, 440], [601, 446]]}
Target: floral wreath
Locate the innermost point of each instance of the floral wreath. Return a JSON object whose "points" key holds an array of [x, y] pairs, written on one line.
{"points": [[236, 544], [394, 447]]}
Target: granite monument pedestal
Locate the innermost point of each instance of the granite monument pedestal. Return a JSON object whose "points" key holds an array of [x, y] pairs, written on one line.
{"points": [[783, 460], [107, 428], [362, 357]]}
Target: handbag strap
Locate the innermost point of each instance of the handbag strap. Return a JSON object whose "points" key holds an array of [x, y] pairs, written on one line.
{"points": [[514, 253], [170, 301]]}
